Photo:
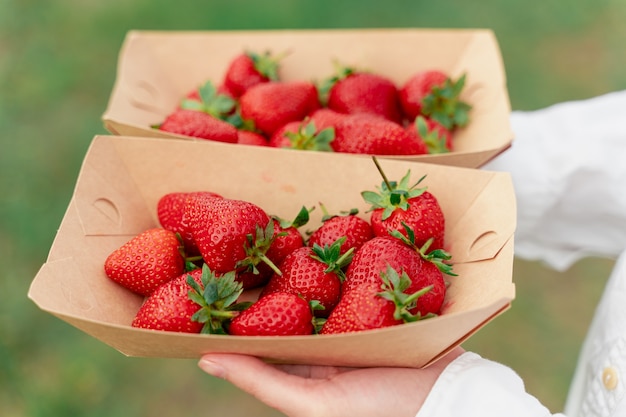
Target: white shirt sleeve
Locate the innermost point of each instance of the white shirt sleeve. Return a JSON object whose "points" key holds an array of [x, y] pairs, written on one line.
{"points": [[568, 165], [475, 387]]}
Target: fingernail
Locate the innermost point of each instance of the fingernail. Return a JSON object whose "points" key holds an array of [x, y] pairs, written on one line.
{"points": [[212, 368]]}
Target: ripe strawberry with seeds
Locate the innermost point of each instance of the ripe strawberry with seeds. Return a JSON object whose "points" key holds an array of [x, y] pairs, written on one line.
{"points": [[171, 211], [374, 135], [273, 104], [425, 268], [210, 100], [248, 69], [276, 314], [315, 273], [375, 305], [196, 302], [169, 307], [248, 137], [256, 268], [348, 225], [146, 261], [303, 135], [400, 203], [352, 91], [198, 124], [287, 236], [437, 138], [432, 93], [325, 118], [220, 228]]}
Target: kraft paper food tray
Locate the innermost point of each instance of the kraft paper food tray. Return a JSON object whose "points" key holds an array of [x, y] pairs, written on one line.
{"points": [[157, 68], [115, 197]]}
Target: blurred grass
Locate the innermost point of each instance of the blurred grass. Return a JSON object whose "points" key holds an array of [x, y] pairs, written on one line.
{"points": [[57, 67]]}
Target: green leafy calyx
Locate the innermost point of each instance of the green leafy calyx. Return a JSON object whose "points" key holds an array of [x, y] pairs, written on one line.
{"points": [[393, 288], [392, 195], [216, 296]]}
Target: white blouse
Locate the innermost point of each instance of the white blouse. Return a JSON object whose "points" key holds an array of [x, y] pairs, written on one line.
{"points": [[568, 164]]}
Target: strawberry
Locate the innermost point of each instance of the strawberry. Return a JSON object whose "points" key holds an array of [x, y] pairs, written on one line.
{"points": [[287, 236], [325, 117], [374, 135], [220, 227], [210, 100], [437, 138], [396, 204], [233, 235], [303, 135], [169, 307], [273, 104], [276, 314], [352, 91], [146, 261], [249, 69], [350, 226], [198, 124], [315, 273], [375, 305], [170, 212], [256, 268], [196, 302], [423, 269], [247, 137], [432, 93], [194, 95]]}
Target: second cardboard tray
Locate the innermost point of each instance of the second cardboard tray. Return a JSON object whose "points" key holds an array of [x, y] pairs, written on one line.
{"points": [[157, 68]]}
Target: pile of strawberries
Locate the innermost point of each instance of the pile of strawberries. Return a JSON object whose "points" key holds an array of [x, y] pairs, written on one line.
{"points": [[352, 111], [346, 275]]}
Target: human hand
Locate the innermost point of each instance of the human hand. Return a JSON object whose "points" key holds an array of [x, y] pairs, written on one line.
{"points": [[312, 391]]}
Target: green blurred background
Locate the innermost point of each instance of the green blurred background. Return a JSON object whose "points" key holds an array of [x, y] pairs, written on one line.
{"points": [[57, 68]]}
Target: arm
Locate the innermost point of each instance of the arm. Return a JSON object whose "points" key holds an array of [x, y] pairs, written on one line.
{"points": [[568, 164]]}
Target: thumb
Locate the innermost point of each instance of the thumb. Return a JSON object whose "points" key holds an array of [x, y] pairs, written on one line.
{"points": [[277, 389]]}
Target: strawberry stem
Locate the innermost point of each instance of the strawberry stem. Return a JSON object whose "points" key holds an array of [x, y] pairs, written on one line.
{"points": [[382, 173]]}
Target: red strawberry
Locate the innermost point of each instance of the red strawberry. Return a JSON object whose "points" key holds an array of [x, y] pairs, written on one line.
{"points": [[287, 236], [210, 100], [249, 69], [325, 117], [195, 302], [303, 135], [315, 273], [396, 204], [434, 94], [374, 305], [352, 92], [247, 137], [373, 135], [437, 138], [233, 235], [194, 95], [200, 125], [271, 105], [146, 261], [276, 314], [354, 229], [423, 269], [170, 212], [220, 227], [256, 268]]}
